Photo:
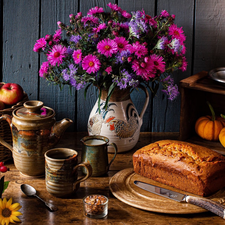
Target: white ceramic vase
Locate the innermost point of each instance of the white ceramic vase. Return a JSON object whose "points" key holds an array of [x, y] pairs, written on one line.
{"points": [[120, 122]]}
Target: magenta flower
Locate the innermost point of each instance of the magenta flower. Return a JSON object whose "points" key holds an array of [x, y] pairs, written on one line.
{"points": [[77, 56], [184, 64], [107, 47], [100, 27], [126, 14], [164, 13], [122, 43], [89, 19], [57, 36], [109, 69], [95, 10], [56, 55], [177, 33], [43, 69], [157, 62], [40, 44], [114, 7], [139, 49], [143, 69], [91, 64]]}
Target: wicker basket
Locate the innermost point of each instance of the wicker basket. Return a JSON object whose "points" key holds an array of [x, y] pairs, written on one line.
{"points": [[5, 132]]}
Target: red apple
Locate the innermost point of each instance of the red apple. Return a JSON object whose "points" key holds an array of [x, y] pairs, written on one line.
{"points": [[11, 93], [2, 105]]}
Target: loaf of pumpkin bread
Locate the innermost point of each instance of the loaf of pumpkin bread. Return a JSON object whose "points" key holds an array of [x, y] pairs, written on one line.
{"points": [[189, 167]]}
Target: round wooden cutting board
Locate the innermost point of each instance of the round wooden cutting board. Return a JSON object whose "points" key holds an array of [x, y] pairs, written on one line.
{"points": [[123, 188]]}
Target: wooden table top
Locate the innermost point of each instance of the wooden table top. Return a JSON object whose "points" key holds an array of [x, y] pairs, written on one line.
{"points": [[70, 210]]}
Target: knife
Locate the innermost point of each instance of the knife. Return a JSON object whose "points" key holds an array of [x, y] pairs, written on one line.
{"points": [[205, 203]]}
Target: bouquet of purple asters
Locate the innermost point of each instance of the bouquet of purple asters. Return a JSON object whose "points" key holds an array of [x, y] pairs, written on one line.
{"points": [[114, 49]]}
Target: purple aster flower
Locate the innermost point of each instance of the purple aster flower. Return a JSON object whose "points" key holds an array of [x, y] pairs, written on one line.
{"points": [[65, 75], [169, 88], [69, 50], [176, 46], [75, 38], [73, 69], [161, 43]]}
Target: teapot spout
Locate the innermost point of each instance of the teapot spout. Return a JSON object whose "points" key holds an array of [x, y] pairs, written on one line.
{"points": [[58, 130]]}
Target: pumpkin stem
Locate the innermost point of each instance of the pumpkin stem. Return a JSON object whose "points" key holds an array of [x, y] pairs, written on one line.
{"points": [[223, 116], [212, 111]]}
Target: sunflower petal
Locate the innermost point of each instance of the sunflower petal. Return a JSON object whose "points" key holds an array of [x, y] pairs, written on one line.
{"points": [[9, 203], [16, 213], [4, 203], [15, 218], [15, 206], [1, 204]]}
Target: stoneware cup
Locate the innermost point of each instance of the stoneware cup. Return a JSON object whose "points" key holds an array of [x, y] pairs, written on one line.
{"points": [[95, 151], [61, 175]]}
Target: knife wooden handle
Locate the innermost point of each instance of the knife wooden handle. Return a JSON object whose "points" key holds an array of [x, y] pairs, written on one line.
{"points": [[208, 204]]}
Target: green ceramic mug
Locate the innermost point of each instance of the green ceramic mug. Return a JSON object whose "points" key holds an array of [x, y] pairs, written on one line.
{"points": [[95, 152]]}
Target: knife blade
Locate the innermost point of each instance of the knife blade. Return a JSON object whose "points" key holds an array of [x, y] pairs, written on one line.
{"points": [[210, 205]]}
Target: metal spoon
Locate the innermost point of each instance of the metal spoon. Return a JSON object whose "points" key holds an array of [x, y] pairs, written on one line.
{"points": [[31, 191]]}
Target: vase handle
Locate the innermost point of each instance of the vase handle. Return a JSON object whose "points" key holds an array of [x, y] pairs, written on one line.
{"points": [[146, 101]]}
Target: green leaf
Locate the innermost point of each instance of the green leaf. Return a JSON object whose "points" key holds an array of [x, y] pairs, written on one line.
{"points": [[6, 184], [1, 186], [110, 91]]}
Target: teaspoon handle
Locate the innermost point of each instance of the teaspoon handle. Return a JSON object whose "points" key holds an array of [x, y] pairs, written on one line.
{"points": [[49, 206]]}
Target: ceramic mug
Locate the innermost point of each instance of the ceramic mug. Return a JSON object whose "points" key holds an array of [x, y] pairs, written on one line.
{"points": [[95, 152], [61, 175]]}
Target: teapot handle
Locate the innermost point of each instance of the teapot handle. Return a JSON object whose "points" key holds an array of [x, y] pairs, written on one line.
{"points": [[146, 101], [6, 144], [8, 118]]}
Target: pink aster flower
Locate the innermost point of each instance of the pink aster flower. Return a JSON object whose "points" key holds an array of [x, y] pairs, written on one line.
{"points": [[95, 10], [122, 43], [89, 19], [57, 36], [107, 47], [126, 14], [177, 32], [56, 55], [157, 63], [109, 69], [114, 7], [100, 27], [77, 56], [164, 13], [143, 69], [43, 69], [139, 49], [184, 64], [91, 63], [40, 44]]}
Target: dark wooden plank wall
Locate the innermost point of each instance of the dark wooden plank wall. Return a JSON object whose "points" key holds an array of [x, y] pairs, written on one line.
{"points": [[24, 21]]}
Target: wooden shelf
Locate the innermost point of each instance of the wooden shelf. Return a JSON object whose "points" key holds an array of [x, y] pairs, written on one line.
{"points": [[195, 91]]}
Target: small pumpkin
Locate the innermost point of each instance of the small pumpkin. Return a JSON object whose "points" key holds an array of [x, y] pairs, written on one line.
{"points": [[209, 127], [222, 134]]}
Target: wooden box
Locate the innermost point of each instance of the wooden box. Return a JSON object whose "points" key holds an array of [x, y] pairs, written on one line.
{"points": [[195, 91]]}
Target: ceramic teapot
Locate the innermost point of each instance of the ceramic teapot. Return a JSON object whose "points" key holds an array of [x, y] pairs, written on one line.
{"points": [[34, 131]]}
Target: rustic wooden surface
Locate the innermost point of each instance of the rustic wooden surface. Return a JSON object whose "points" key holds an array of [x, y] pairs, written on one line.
{"points": [[70, 211], [202, 21]]}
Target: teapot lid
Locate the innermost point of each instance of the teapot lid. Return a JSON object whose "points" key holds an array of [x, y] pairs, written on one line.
{"points": [[34, 110]]}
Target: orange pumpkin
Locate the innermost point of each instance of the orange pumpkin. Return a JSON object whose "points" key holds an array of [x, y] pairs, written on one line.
{"points": [[222, 137], [209, 127]]}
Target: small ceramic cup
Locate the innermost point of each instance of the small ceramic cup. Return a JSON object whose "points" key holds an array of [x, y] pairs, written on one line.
{"points": [[95, 151], [61, 175]]}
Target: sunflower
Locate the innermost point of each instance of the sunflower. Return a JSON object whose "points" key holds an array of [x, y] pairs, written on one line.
{"points": [[9, 211]]}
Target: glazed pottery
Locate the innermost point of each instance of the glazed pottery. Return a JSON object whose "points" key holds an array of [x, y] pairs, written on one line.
{"points": [[34, 131], [61, 176], [120, 122], [95, 151]]}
